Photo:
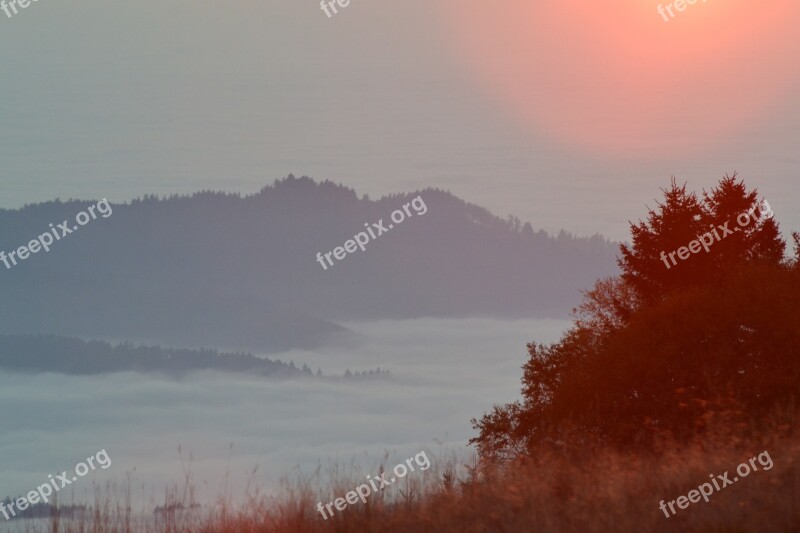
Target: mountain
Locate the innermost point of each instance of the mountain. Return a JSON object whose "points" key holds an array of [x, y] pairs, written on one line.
{"points": [[242, 272]]}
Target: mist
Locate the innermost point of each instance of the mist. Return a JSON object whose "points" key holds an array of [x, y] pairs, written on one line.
{"points": [[443, 373]]}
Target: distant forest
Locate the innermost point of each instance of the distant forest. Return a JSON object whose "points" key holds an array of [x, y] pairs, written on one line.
{"points": [[48, 353], [224, 270]]}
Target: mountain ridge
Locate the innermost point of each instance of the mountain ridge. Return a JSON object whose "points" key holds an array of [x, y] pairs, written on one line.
{"points": [[224, 270]]}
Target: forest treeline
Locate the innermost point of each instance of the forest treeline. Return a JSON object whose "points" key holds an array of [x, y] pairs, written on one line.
{"points": [[64, 355]]}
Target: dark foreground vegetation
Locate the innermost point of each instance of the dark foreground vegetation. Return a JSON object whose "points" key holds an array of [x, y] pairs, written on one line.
{"points": [[668, 375], [657, 351]]}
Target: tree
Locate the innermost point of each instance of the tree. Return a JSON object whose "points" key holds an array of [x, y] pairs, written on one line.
{"points": [[527, 230], [795, 263], [755, 236], [658, 350], [731, 224], [676, 222], [607, 307]]}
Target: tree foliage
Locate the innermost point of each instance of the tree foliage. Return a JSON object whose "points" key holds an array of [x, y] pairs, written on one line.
{"points": [[683, 218], [661, 350]]}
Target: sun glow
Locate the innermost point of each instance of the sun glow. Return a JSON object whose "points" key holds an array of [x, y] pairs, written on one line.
{"points": [[616, 78]]}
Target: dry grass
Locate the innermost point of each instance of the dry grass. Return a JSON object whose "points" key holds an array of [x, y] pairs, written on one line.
{"points": [[582, 490]]}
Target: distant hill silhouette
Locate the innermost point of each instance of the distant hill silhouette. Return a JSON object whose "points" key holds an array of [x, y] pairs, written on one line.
{"points": [[217, 269], [62, 355], [32, 354]]}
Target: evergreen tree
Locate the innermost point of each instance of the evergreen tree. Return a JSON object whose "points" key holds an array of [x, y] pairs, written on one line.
{"points": [[660, 350]]}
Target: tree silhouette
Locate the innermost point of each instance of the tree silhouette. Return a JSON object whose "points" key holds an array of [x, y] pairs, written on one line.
{"points": [[676, 222], [681, 219], [661, 351], [755, 238]]}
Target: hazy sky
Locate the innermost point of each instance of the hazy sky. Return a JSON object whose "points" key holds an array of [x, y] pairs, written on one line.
{"points": [[568, 114]]}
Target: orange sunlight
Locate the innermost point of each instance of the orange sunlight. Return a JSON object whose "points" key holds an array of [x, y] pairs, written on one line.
{"points": [[615, 78]]}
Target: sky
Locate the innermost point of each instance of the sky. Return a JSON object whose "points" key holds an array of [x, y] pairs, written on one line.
{"points": [[566, 114]]}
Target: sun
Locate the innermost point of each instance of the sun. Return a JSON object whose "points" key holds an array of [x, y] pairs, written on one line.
{"points": [[616, 78]]}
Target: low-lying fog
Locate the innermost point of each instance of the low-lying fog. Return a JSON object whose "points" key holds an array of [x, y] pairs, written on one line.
{"points": [[443, 372]]}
